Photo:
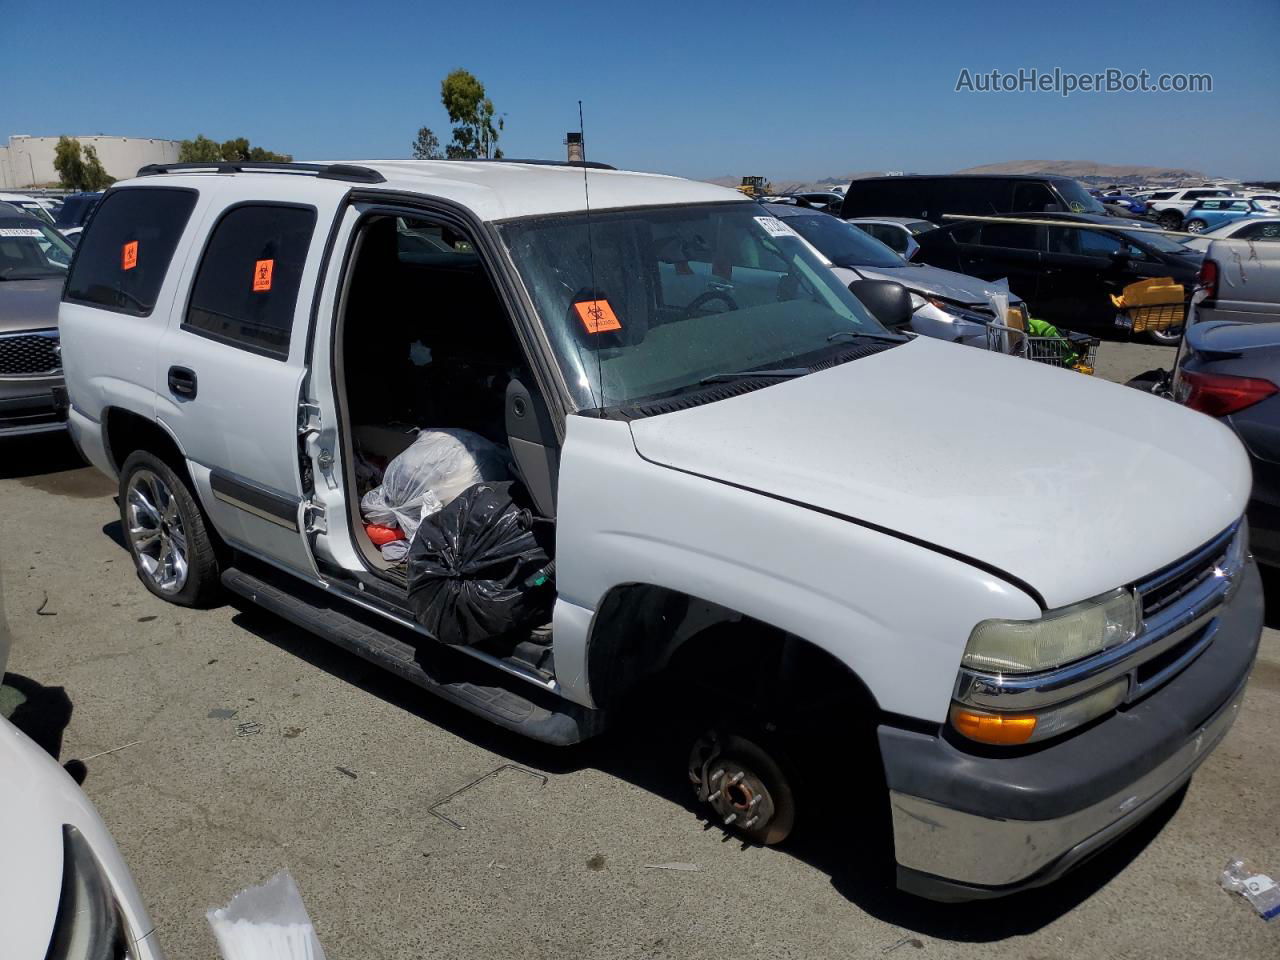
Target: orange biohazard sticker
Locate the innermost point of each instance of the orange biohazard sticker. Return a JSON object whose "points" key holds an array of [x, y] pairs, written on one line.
{"points": [[597, 316], [262, 275], [129, 255]]}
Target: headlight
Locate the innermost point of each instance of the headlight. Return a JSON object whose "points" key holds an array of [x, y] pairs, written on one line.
{"points": [[1011, 729], [89, 925], [1058, 637]]}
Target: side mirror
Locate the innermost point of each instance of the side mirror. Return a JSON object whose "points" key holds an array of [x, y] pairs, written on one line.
{"points": [[889, 302], [1120, 257]]}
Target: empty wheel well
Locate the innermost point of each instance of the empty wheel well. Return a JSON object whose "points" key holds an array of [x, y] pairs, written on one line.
{"points": [[644, 633]]}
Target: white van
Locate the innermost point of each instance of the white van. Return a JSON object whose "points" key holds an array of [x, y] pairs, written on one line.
{"points": [[730, 491]]}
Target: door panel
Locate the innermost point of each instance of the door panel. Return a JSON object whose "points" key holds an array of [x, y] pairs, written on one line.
{"points": [[243, 359]]}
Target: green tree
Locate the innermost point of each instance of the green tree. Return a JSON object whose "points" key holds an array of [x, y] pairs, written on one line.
{"points": [[427, 145], [475, 133], [236, 150], [79, 169], [204, 150], [199, 150], [95, 176]]}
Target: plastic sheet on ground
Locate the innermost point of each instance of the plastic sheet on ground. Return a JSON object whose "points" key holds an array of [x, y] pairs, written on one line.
{"points": [[266, 922], [480, 567]]}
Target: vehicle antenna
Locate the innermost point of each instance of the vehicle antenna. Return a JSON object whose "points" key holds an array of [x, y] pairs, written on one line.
{"points": [[591, 257]]}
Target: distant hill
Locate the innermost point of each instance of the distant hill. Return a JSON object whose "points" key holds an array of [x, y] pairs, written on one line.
{"points": [[1079, 169], [1088, 170]]}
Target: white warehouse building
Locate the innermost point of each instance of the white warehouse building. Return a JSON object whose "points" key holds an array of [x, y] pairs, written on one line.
{"points": [[28, 161]]}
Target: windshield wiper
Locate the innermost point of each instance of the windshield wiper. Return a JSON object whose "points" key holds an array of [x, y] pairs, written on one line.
{"points": [[787, 373], [852, 335]]}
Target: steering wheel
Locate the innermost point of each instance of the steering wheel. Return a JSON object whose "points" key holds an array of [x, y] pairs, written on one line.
{"points": [[698, 302]]}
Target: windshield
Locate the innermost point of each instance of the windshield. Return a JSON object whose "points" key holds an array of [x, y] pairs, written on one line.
{"points": [[650, 302], [842, 243], [1158, 241], [31, 251], [1079, 200], [33, 208]]}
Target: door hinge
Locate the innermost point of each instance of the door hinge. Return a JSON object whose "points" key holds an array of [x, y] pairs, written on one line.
{"points": [[313, 518], [308, 418]]}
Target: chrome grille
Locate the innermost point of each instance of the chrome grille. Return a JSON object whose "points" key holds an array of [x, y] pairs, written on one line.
{"points": [[1166, 587], [25, 354]]}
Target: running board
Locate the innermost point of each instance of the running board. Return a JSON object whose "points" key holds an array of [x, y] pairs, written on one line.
{"points": [[469, 684]]}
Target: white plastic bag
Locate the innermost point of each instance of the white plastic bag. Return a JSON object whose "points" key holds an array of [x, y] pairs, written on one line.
{"points": [[266, 922], [429, 474]]}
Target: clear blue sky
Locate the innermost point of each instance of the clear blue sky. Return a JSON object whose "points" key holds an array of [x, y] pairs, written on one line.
{"points": [[787, 90]]}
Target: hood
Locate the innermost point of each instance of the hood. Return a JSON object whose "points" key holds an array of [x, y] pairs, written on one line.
{"points": [[1045, 474], [29, 304], [933, 280], [31, 838]]}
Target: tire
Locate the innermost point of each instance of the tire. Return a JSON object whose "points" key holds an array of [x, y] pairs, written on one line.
{"points": [[1165, 338], [1169, 219], [1196, 226], [166, 533]]}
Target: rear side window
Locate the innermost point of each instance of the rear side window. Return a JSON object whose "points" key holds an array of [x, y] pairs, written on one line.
{"points": [[890, 197], [247, 286], [123, 258]]}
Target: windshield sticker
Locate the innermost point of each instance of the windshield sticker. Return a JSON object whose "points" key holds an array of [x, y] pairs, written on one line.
{"points": [[597, 316], [775, 227], [20, 232], [129, 255], [262, 275]]}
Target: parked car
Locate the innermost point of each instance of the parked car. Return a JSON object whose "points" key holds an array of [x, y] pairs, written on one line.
{"points": [[1130, 203], [827, 200], [1208, 214], [1230, 370], [897, 233], [1250, 228], [65, 891], [28, 205], [1169, 207], [945, 305], [33, 265], [1066, 275], [1270, 200], [933, 197], [1239, 280], [763, 505], [76, 210]]}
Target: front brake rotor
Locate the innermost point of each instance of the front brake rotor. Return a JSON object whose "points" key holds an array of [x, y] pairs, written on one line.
{"points": [[743, 786]]}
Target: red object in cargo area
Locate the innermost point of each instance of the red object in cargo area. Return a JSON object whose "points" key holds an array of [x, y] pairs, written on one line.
{"points": [[1219, 394], [380, 534]]}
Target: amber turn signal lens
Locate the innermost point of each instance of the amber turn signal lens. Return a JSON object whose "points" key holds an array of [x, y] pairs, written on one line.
{"points": [[1007, 729]]}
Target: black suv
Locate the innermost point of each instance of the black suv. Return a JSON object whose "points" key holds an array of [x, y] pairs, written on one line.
{"points": [[1065, 274], [932, 197]]}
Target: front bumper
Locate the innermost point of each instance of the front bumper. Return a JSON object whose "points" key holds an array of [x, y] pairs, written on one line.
{"points": [[29, 406], [969, 826]]}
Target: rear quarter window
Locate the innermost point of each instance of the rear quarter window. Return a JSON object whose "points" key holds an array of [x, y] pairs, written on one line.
{"points": [[123, 257], [246, 288]]}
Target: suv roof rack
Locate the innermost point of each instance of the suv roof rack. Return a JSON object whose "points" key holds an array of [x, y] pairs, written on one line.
{"points": [[589, 164], [324, 171]]}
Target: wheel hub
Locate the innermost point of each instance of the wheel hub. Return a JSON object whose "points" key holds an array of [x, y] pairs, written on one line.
{"points": [[736, 792]]}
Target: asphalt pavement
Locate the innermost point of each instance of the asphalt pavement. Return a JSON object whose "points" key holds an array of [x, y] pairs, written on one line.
{"points": [[222, 745]]}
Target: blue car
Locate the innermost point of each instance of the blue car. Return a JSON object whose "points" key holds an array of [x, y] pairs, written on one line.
{"points": [[1208, 214], [1135, 206]]}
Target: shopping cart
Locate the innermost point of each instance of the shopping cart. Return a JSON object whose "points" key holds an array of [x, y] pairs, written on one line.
{"points": [[1072, 351], [1151, 305]]}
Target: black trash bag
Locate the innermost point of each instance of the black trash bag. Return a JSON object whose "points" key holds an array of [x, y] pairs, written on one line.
{"points": [[481, 567]]}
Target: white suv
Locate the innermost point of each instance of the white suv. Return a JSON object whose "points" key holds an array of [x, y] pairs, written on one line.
{"points": [[877, 571], [1169, 207]]}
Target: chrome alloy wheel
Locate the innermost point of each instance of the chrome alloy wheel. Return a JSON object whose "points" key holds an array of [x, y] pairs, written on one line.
{"points": [[156, 532]]}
